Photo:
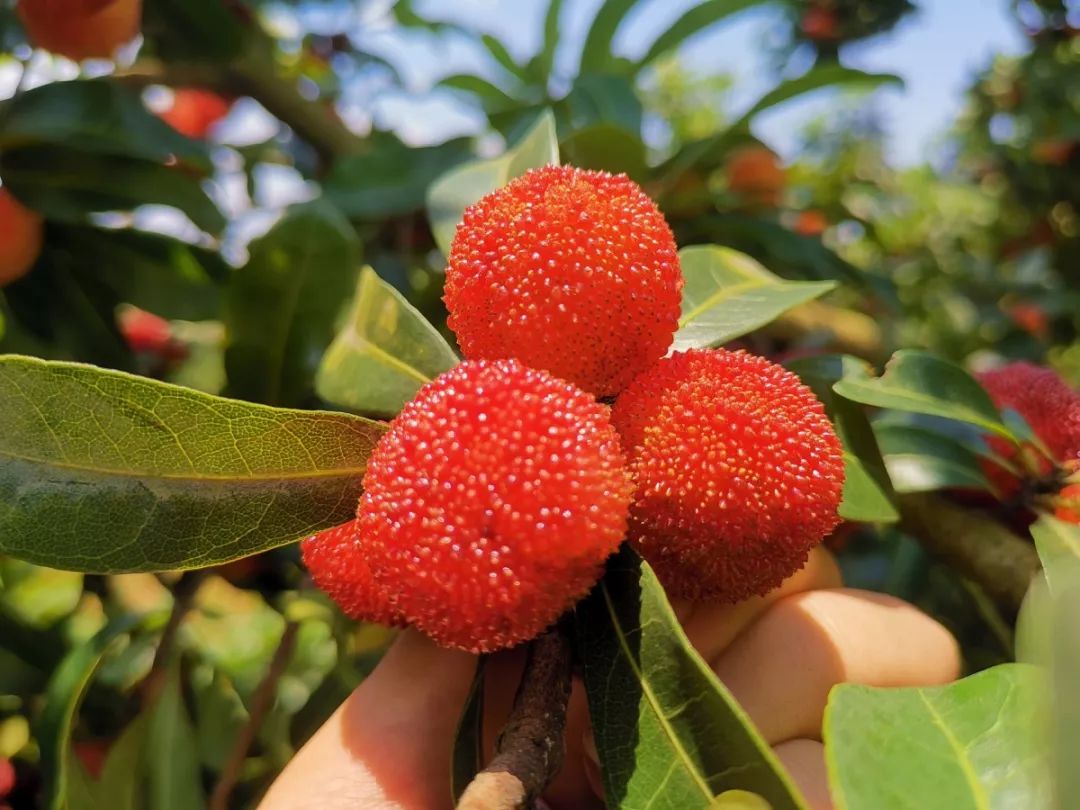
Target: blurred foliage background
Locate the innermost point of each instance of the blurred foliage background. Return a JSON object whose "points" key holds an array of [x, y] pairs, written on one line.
{"points": [[150, 266]]}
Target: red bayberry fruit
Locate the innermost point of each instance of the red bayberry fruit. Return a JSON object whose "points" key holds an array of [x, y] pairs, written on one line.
{"points": [[571, 271], [194, 112], [820, 24], [336, 564], [7, 777], [492, 502], [755, 174], [1069, 504], [21, 236], [1049, 406], [810, 223], [80, 29], [738, 470]]}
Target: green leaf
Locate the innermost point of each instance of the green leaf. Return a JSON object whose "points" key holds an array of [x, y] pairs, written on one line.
{"points": [[195, 30], [390, 179], [118, 786], [972, 745], [728, 294], [696, 19], [502, 56], [1058, 544], [818, 78], [596, 55], [66, 184], [63, 695], [455, 191], [383, 354], [667, 731], [868, 493], [493, 97], [173, 775], [95, 116], [468, 755], [609, 148], [545, 60], [37, 596], [280, 306], [601, 99], [920, 382], [107, 472], [920, 460]]}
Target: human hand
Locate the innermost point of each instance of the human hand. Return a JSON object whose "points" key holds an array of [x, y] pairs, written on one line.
{"points": [[388, 746]]}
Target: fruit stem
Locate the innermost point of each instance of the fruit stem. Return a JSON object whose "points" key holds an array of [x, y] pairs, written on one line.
{"points": [[530, 749], [975, 545]]}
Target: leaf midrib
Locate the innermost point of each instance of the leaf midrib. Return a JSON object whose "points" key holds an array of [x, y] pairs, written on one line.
{"points": [[341, 472], [977, 791], [665, 725]]}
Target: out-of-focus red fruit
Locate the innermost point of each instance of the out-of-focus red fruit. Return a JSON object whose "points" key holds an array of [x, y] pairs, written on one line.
{"points": [[21, 237], [195, 111], [754, 173], [739, 472], [1069, 504], [80, 29], [811, 223], [1052, 151], [92, 754], [1049, 406], [1030, 317], [820, 24], [569, 271], [146, 333], [7, 777]]}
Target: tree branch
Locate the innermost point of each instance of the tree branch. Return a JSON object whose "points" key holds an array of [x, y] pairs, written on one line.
{"points": [[530, 748], [261, 702], [183, 593], [975, 545]]}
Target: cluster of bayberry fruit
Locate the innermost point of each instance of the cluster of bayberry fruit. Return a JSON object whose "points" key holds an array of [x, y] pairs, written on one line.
{"points": [[491, 504]]}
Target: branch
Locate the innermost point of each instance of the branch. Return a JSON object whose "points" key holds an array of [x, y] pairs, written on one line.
{"points": [[183, 593], [975, 545], [530, 748], [261, 702]]}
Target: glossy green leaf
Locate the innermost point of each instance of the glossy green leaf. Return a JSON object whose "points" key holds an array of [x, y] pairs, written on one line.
{"points": [[66, 184], [868, 493], [596, 54], [976, 744], [281, 306], [493, 97], [728, 294], [468, 755], [699, 17], [818, 78], [63, 695], [918, 381], [458, 189], [920, 460], [106, 472], [502, 57], [174, 781], [391, 178], [667, 731], [1058, 544], [95, 116], [383, 354]]}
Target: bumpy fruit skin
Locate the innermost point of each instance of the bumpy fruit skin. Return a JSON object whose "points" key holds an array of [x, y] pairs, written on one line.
{"points": [[80, 29], [1049, 406], [195, 111], [21, 237], [738, 470], [571, 271], [755, 174], [338, 567], [492, 502]]}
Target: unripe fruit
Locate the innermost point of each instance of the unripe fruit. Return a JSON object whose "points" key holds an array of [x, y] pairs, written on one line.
{"points": [[571, 271], [338, 567], [491, 504], [1049, 406], [738, 470], [194, 111], [755, 173], [21, 237], [80, 29]]}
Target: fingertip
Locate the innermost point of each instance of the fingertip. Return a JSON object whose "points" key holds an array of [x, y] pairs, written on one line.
{"points": [[804, 760]]}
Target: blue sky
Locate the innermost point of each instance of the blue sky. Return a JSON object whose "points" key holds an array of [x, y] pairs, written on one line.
{"points": [[937, 51]]}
